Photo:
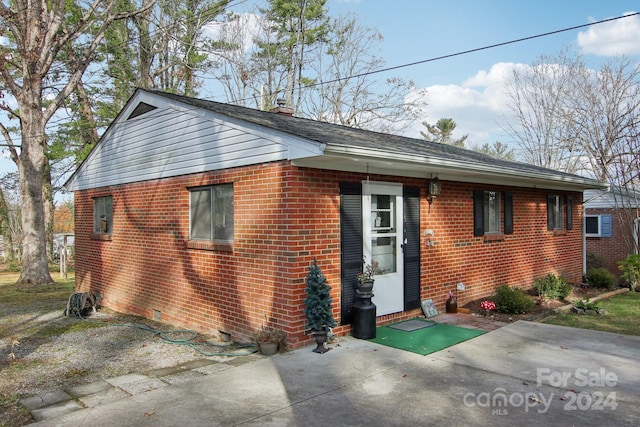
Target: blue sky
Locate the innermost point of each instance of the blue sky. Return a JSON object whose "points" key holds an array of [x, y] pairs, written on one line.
{"points": [[417, 30], [470, 88]]}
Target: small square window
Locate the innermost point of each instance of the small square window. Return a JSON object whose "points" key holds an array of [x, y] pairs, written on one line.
{"points": [[103, 215], [592, 226], [211, 213], [597, 225]]}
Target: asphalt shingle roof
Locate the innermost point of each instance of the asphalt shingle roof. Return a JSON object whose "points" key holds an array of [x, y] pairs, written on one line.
{"points": [[338, 135]]}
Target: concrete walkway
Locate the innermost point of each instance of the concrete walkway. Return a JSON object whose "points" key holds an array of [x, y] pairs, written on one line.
{"points": [[521, 374]]}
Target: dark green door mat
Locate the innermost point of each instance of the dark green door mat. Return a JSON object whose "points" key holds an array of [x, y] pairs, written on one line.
{"points": [[426, 340]]}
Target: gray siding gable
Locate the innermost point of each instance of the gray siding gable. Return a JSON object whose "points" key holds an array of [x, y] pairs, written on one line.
{"points": [[175, 139], [612, 199]]}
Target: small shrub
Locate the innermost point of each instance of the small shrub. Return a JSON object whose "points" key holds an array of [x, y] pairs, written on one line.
{"points": [[601, 278], [630, 268], [552, 287], [513, 300], [585, 304]]}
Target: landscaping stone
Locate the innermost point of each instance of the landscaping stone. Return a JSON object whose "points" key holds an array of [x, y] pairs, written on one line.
{"points": [[45, 399]]}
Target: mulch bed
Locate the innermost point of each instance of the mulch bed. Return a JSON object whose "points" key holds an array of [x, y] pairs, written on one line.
{"points": [[543, 307]]}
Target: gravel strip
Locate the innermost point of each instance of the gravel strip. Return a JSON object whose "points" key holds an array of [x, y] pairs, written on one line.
{"points": [[85, 356]]}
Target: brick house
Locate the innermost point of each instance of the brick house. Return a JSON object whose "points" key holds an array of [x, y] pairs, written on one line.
{"points": [[208, 215], [612, 227]]}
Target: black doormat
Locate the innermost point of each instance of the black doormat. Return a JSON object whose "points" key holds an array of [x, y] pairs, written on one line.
{"points": [[412, 325]]}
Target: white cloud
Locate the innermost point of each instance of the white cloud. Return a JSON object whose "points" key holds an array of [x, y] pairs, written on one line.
{"points": [[619, 37], [478, 105]]}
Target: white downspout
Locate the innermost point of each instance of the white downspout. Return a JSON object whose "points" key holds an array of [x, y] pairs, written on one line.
{"points": [[584, 241], [636, 243]]}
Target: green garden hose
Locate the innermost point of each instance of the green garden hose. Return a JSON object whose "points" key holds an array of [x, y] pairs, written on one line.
{"points": [[77, 304]]}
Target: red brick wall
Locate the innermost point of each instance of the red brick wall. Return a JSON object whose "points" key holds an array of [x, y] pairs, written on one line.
{"points": [[617, 247], [284, 217], [516, 259]]}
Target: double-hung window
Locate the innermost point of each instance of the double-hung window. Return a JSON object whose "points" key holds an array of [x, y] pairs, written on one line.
{"points": [[557, 207], [487, 213], [491, 212], [103, 215], [555, 212], [211, 213]]}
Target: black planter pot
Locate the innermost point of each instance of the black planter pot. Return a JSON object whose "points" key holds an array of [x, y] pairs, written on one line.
{"points": [[320, 337], [366, 287]]}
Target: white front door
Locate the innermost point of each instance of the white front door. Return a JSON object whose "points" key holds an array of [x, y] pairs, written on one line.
{"points": [[382, 220]]}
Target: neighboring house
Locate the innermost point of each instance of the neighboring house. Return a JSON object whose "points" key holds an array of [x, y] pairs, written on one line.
{"points": [[612, 226], [208, 215]]}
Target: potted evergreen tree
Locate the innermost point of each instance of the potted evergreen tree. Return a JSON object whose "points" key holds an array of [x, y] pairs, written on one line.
{"points": [[318, 307]]}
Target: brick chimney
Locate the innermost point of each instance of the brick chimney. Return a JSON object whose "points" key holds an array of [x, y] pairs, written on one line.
{"points": [[281, 108]]}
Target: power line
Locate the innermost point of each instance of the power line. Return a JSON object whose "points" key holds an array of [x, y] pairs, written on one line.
{"points": [[460, 53], [465, 52]]}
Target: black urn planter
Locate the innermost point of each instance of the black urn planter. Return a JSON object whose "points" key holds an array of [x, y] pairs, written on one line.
{"points": [[320, 337], [366, 287]]}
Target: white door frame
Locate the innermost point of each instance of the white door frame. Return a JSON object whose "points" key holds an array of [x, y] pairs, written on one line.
{"points": [[389, 287]]}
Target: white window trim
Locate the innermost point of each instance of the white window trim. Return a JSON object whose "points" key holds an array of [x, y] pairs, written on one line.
{"points": [[599, 233]]}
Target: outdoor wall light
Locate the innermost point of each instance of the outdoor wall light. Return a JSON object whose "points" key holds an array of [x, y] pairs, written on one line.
{"points": [[434, 189]]}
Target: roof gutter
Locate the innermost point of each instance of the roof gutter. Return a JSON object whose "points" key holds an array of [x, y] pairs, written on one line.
{"points": [[447, 169]]}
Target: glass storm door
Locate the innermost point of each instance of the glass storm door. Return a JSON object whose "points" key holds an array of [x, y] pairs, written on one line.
{"points": [[382, 220]]}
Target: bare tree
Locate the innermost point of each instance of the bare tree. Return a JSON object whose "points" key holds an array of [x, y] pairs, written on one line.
{"points": [[572, 118], [543, 119], [230, 53], [345, 93], [37, 34], [609, 124], [605, 107]]}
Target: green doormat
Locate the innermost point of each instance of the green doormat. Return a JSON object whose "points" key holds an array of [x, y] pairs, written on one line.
{"points": [[426, 340]]}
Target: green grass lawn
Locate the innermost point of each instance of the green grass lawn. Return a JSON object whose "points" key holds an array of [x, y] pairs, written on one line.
{"points": [[623, 316]]}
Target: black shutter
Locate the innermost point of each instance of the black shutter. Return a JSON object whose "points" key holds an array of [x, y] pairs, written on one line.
{"points": [[569, 212], [411, 248], [478, 213], [350, 246], [508, 213], [550, 204]]}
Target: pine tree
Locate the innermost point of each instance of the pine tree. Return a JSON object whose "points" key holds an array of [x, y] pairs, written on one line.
{"points": [[318, 301]]}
